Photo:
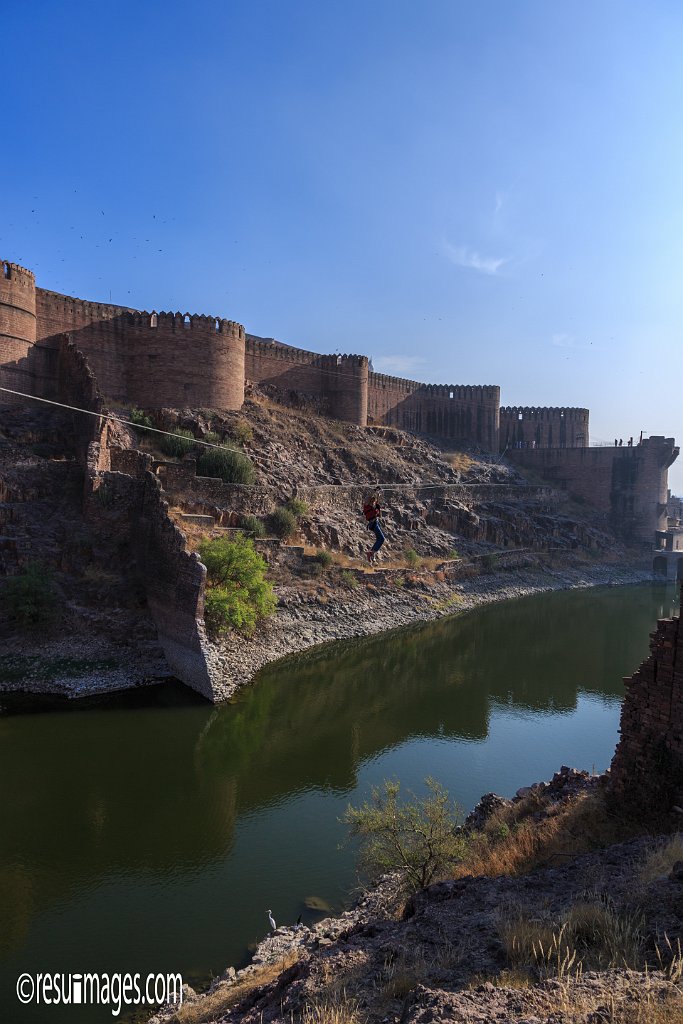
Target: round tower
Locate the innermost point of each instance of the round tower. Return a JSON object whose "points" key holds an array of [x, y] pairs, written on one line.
{"points": [[17, 328], [345, 382]]}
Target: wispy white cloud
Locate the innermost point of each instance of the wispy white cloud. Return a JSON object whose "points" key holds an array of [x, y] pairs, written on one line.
{"points": [[398, 366], [499, 200], [463, 256], [569, 341]]}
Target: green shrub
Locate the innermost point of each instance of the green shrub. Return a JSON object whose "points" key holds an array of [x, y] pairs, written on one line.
{"points": [[283, 523], [140, 418], [238, 594], [297, 507], [232, 467], [253, 525], [211, 437], [348, 579], [242, 432], [30, 598], [177, 444], [417, 837], [412, 558], [324, 558], [453, 554]]}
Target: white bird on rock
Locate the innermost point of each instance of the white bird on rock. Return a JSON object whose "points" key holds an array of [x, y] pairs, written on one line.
{"points": [[272, 920]]}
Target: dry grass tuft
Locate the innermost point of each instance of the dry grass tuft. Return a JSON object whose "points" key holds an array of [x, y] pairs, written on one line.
{"points": [[661, 860], [591, 936], [511, 977], [515, 841], [642, 1004], [333, 1009], [459, 461], [208, 1007]]}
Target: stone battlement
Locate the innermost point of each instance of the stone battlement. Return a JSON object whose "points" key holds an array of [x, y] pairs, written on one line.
{"points": [[19, 275]]}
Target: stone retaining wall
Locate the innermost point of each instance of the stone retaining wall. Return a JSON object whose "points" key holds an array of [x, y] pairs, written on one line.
{"points": [[647, 769]]}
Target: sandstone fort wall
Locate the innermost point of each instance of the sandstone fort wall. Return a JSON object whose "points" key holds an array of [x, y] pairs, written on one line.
{"points": [[628, 484], [524, 427]]}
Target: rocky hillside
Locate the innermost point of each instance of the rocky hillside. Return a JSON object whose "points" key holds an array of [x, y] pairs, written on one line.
{"points": [[437, 501]]}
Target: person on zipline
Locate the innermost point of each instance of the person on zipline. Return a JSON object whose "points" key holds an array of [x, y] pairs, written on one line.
{"points": [[373, 513]]}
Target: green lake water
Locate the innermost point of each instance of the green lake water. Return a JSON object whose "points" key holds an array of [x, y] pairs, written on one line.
{"points": [[151, 832]]}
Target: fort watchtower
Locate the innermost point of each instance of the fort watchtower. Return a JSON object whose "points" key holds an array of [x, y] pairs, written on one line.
{"points": [[17, 327]]}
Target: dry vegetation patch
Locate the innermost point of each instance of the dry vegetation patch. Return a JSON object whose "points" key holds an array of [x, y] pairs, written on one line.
{"points": [[227, 995], [534, 832]]}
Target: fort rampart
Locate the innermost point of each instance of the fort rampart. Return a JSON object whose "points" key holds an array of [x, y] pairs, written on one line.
{"points": [[156, 359], [524, 427], [629, 484]]}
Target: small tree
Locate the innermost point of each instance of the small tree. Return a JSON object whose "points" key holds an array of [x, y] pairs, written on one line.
{"points": [[238, 594], [417, 837]]}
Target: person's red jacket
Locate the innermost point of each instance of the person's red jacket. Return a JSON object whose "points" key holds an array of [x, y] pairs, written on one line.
{"points": [[372, 511]]}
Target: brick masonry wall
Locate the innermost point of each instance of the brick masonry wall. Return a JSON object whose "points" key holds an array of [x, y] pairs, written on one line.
{"points": [[543, 427], [647, 769], [151, 359], [628, 484], [97, 329], [341, 381], [453, 412]]}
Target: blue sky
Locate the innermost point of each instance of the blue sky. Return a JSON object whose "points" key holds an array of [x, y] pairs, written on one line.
{"points": [[469, 191]]}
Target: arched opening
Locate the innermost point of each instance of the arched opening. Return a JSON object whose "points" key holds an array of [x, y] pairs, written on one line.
{"points": [[186, 321], [217, 325], [659, 566], [153, 320]]}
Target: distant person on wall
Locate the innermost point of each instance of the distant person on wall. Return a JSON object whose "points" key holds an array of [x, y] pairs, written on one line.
{"points": [[373, 513]]}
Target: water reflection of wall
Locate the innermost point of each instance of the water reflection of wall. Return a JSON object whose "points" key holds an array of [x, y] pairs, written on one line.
{"points": [[312, 720]]}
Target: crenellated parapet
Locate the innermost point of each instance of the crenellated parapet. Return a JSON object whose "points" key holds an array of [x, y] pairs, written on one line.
{"points": [[452, 412], [543, 427], [197, 323]]}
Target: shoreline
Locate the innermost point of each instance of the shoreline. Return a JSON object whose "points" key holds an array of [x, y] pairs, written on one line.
{"points": [[302, 623], [293, 631]]}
